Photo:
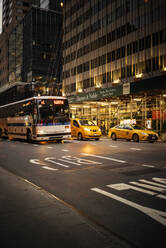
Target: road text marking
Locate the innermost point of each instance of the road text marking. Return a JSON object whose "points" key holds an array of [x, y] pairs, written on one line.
{"points": [[108, 158]]}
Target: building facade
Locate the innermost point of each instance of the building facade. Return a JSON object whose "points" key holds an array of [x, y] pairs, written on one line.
{"points": [[114, 54], [52, 4], [35, 48], [12, 12]]}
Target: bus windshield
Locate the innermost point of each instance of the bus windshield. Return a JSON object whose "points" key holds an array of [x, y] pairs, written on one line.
{"points": [[52, 111]]}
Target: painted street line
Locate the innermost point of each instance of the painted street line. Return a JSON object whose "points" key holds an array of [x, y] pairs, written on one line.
{"points": [[113, 146], [107, 158], [150, 182], [65, 150], [124, 186], [80, 160], [49, 168], [37, 161], [147, 165], [50, 147], [149, 187], [67, 161], [74, 141], [52, 161], [136, 149], [155, 214], [25, 143], [35, 145]]}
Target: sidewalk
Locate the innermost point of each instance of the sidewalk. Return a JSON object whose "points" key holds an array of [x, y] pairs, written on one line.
{"points": [[32, 218]]}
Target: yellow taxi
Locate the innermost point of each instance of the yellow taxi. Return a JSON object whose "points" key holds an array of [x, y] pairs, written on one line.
{"points": [[132, 132], [85, 129]]}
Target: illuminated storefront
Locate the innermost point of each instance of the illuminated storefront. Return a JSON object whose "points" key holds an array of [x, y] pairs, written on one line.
{"points": [[123, 104]]}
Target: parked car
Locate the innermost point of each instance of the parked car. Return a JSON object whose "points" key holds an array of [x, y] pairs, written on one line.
{"points": [[132, 132], [85, 129]]}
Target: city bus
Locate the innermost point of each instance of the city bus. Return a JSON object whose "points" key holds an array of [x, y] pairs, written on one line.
{"points": [[36, 119]]}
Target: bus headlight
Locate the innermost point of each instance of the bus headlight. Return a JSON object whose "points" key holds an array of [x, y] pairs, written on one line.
{"points": [[40, 132]]}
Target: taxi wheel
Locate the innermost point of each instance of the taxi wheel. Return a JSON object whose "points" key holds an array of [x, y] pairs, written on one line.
{"points": [[135, 137], [113, 136], [80, 137]]}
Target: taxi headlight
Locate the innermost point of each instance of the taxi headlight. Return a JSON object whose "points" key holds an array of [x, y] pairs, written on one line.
{"points": [[87, 129], [99, 130]]}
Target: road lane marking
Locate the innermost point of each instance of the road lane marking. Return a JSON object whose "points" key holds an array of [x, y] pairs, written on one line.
{"points": [[148, 165], [50, 147], [65, 150], [159, 180], [149, 187], [80, 160], [136, 149], [68, 161], [37, 161], [124, 186], [75, 141], [107, 158], [155, 214], [52, 161], [35, 145], [150, 182], [49, 168], [113, 146]]}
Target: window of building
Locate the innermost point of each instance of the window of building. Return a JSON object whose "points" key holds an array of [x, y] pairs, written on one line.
{"points": [[155, 39]]}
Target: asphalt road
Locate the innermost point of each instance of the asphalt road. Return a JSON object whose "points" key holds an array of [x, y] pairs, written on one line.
{"points": [[118, 186]]}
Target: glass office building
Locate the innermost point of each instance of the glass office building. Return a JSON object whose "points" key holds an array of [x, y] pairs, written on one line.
{"points": [[114, 55], [35, 51]]}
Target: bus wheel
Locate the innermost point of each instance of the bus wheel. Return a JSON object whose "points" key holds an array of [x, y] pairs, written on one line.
{"points": [[29, 136]]}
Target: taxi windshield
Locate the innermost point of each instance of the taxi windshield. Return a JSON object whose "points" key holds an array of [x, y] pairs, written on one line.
{"points": [[87, 123], [138, 127]]}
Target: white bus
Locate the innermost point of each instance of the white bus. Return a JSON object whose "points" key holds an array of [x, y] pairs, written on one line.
{"points": [[36, 119]]}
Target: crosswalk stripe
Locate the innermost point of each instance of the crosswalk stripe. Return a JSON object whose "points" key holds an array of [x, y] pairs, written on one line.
{"points": [[148, 186], [155, 214]]}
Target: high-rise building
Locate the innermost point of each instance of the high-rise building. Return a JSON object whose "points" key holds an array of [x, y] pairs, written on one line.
{"points": [[12, 12], [114, 54], [52, 4], [35, 52]]}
